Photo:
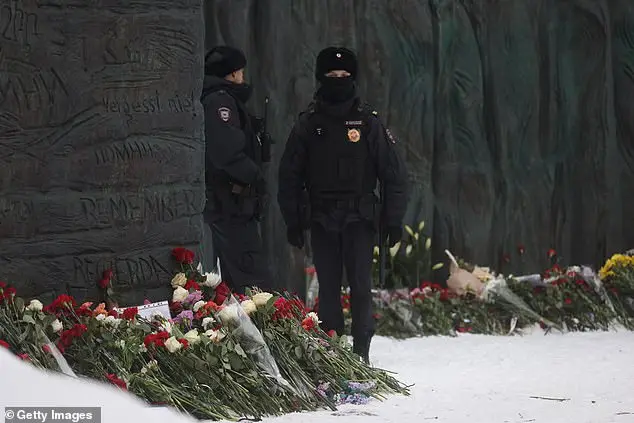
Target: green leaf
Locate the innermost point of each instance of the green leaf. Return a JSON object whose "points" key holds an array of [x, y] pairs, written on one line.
{"points": [[238, 349], [28, 319], [236, 363], [19, 303]]}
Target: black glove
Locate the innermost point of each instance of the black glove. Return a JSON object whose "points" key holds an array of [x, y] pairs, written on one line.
{"points": [[394, 235], [295, 237]]}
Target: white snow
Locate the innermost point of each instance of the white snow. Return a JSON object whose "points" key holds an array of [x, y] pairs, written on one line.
{"points": [[23, 385], [490, 379], [469, 379]]}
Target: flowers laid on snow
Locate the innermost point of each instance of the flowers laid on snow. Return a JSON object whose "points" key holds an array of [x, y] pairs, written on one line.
{"points": [[221, 356]]}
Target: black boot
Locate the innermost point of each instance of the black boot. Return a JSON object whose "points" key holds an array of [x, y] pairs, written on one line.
{"points": [[361, 347]]}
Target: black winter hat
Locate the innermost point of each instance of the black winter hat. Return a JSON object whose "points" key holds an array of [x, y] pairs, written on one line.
{"points": [[335, 58], [223, 60]]}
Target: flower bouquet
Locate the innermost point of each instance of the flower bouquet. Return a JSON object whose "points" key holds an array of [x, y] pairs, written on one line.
{"points": [[221, 357]]}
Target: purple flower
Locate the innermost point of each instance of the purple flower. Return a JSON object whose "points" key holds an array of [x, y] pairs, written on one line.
{"points": [[193, 298], [185, 315]]}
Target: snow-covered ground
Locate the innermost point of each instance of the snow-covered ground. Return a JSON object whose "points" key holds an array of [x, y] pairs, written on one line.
{"points": [[580, 378]]}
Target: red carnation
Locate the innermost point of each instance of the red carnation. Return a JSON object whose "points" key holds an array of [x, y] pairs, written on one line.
{"points": [[113, 313], [112, 378], [176, 307], [191, 284], [157, 339], [4, 344], [103, 283], [24, 357], [551, 253], [7, 293], [568, 301], [332, 333], [222, 292], [183, 255], [3, 284], [130, 312], [184, 342], [62, 303]]}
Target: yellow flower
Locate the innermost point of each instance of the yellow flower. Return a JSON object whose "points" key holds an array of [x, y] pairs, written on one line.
{"points": [[615, 263]]}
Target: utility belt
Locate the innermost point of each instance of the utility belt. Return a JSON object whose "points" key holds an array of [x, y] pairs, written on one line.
{"points": [[367, 206]]}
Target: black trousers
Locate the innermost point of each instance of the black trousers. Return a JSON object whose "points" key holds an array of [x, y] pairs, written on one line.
{"points": [[238, 245], [350, 246]]}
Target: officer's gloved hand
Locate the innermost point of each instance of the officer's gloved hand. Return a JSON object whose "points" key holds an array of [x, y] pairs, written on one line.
{"points": [[295, 237], [394, 235]]}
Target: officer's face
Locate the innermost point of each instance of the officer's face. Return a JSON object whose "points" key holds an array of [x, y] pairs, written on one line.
{"points": [[338, 74], [237, 77]]}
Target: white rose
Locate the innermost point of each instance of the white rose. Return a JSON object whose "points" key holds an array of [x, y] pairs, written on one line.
{"points": [[112, 321], [208, 321], [261, 298], [179, 280], [215, 335], [173, 345], [57, 325], [314, 317], [180, 294], [198, 305], [192, 336], [100, 317], [249, 307], [35, 305], [229, 314]]}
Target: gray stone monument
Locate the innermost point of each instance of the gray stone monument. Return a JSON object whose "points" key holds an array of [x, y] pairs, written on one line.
{"points": [[101, 143]]}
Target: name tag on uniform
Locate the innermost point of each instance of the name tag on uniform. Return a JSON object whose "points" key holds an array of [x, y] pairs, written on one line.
{"points": [[354, 122]]}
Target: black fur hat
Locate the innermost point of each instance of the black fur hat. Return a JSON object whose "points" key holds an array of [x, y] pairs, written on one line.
{"points": [[335, 58], [223, 60]]}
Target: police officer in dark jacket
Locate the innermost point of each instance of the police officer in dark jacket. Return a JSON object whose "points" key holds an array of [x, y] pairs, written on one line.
{"points": [[336, 153], [236, 189]]}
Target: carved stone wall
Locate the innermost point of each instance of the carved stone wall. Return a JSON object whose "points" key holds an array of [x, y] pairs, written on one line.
{"points": [[101, 143]]}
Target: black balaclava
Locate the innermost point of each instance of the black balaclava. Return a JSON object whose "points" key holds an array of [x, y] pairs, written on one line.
{"points": [[336, 89]]}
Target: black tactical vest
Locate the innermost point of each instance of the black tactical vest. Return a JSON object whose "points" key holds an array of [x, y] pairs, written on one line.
{"points": [[340, 166]]}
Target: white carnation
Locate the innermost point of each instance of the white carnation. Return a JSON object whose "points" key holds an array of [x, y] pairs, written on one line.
{"points": [[173, 345], [179, 295], [198, 305], [192, 336], [35, 305], [57, 325], [112, 321], [100, 317], [208, 321], [215, 335], [314, 317]]}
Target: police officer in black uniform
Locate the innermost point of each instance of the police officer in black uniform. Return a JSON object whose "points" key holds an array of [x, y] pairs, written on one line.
{"points": [[236, 188], [336, 153]]}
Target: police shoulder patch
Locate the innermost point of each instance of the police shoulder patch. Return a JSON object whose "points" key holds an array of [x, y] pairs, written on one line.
{"points": [[224, 114]]}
